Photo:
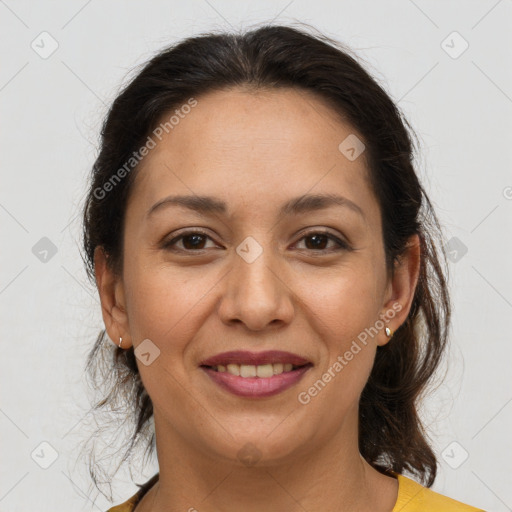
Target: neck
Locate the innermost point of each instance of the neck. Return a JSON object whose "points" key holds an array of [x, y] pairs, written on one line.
{"points": [[331, 477]]}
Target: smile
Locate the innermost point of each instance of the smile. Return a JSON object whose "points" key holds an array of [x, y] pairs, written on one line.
{"points": [[262, 371], [270, 373]]}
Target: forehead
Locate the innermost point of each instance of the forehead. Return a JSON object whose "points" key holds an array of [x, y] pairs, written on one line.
{"points": [[257, 120], [238, 143]]}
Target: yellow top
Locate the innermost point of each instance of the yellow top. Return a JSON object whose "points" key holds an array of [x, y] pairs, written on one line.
{"points": [[412, 497]]}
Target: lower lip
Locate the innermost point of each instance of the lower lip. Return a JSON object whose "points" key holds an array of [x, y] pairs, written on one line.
{"points": [[256, 387]]}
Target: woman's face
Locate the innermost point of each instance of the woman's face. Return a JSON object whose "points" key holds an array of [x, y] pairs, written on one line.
{"points": [[256, 266]]}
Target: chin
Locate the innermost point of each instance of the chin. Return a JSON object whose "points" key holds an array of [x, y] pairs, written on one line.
{"points": [[260, 447]]}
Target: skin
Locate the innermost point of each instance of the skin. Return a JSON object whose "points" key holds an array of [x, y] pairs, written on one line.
{"points": [[255, 151]]}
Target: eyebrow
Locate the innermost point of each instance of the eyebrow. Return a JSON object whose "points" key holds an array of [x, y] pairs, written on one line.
{"points": [[208, 205]]}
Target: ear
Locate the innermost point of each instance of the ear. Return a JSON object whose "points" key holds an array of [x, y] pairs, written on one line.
{"points": [[111, 291], [401, 288]]}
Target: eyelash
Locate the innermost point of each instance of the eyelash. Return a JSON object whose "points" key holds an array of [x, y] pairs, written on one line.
{"points": [[342, 245]]}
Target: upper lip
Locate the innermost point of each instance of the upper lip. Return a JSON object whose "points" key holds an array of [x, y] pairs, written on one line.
{"points": [[254, 358]]}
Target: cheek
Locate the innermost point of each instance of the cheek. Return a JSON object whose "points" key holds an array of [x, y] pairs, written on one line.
{"points": [[341, 314], [167, 307], [163, 304], [345, 301], [343, 309]]}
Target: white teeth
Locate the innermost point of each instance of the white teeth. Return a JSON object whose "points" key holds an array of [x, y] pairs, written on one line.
{"points": [[249, 370], [234, 369], [278, 368], [264, 370]]}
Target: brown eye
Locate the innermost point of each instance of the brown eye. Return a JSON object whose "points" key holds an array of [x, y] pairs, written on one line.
{"points": [[191, 241], [195, 241], [315, 241], [320, 239]]}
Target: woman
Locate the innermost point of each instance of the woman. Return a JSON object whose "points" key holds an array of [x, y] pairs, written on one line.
{"points": [[268, 269]]}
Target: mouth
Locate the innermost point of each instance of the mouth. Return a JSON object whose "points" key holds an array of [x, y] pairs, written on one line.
{"points": [[262, 371], [256, 375]]}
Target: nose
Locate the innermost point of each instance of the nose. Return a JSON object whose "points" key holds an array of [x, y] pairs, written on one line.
{"points": [[256, 294]]}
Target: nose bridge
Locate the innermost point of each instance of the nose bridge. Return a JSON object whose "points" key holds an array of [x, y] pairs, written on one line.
{"points": [[256, 294]]}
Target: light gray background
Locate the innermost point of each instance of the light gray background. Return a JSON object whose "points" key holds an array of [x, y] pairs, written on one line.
{"points": [[51, 113]]}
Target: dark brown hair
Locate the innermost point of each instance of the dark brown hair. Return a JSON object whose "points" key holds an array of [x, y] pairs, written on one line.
{"points": [[391, 435]]}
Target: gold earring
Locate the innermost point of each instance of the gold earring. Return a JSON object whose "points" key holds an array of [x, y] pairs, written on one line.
{"points": [[120, 341], [389, 332]]}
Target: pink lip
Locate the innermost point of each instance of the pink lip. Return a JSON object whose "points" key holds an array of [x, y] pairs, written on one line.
{"points": [[254, 358], [256, 387]]}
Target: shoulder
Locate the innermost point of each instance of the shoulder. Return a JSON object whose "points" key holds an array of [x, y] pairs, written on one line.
{"points": [[414, 497], [129, 505]]}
